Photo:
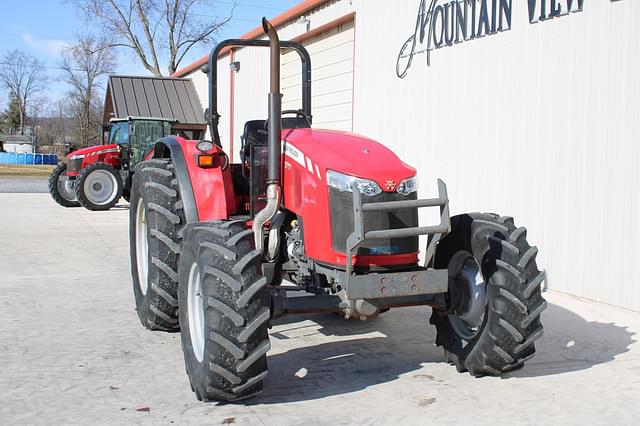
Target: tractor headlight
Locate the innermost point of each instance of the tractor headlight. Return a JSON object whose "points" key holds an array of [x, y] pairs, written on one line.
{"points": [[408, 186], [343, 183], [75, 157]]}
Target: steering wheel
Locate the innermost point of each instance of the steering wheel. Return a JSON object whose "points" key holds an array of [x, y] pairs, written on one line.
{"points": [[298, 112]]}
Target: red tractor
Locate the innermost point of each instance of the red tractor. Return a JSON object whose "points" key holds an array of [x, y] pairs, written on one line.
{"points": [[97, 176], [216, 247]]}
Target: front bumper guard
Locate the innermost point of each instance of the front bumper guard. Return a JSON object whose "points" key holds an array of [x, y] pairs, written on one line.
{"points": [[421, 281]]}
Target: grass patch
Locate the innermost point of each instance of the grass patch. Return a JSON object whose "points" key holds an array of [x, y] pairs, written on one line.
{"points": [[22, 170]]}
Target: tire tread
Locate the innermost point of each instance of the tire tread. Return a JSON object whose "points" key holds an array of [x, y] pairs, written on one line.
{"points": [[237, 309], [511, 326]]}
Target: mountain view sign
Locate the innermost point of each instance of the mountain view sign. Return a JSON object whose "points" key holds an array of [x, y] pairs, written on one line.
{"points": [[443, 24]]}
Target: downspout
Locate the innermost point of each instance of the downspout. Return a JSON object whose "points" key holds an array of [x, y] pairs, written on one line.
{"points": [[275, 130]]}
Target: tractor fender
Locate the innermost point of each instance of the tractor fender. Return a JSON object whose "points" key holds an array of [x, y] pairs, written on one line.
{"points": [[207, 194]]}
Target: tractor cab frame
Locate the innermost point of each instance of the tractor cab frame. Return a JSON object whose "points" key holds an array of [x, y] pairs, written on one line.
{"points": [[250, 177]]}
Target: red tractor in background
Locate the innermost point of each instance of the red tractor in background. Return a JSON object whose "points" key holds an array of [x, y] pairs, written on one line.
{"points": [[218, 249], [97, 176]]}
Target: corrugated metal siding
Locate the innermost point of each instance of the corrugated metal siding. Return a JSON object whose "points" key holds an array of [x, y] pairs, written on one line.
{"points": [[332, 78], [160, 97], [252, 81], [540, 122]]}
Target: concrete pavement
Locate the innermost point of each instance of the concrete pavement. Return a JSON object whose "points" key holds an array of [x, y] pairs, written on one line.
{"points": [[11, 184], [72, 350]]}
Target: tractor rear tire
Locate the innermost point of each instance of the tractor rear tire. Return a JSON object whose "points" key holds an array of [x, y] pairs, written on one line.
{"points": [[510, 320], [99, 187], [156, 222], [59, 188], [224, 311]]}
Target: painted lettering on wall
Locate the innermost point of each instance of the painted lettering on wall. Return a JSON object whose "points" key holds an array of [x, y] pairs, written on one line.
{"points": [[542, 10], [442, 24]]}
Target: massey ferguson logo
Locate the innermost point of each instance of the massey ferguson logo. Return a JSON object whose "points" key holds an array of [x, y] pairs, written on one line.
{"points": [[390, 185]]}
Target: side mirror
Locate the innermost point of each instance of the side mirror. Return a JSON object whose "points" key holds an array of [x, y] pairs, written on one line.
{"points": [[132, 129]]}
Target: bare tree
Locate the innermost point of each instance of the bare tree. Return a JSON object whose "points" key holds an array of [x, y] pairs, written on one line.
{"points": [[155, 30], [84, 64], [24, 76]]}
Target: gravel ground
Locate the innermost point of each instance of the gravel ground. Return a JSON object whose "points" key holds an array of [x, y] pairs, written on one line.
{"points": [[23, 184], [73, 351]]}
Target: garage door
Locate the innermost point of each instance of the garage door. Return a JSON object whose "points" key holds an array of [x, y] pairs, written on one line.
{"points": [[332, 75]]}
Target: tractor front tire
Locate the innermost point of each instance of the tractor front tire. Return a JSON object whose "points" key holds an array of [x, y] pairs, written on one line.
{"points": [[500, 335], [224, 311], [60, 187], [156, 222], [99, 187]]}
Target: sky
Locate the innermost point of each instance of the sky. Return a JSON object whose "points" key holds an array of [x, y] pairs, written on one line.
{"points": [[43, 27]]}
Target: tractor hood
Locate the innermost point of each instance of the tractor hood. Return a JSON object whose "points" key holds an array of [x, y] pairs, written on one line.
{"points": [[346, 153], [93, 150]]}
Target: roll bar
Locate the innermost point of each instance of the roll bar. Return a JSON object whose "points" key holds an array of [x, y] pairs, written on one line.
{"points": [[213, 117]]}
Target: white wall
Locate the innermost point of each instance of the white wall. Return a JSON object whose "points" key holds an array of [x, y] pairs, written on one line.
{"points": [[541, 123], [20, 148]]}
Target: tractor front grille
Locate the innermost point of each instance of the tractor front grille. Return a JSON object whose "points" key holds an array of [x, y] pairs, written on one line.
{"points": [[74, 165], [341, 205]]}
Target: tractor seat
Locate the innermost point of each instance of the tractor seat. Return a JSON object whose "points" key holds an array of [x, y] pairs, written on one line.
{"points": [[256, 133]]}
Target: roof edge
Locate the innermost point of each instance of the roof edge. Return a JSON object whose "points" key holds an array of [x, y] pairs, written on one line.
{"points": [[150, 77], [286, 16]]}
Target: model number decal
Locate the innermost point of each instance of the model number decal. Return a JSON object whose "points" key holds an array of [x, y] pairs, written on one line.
{"points": [[296, 155]]}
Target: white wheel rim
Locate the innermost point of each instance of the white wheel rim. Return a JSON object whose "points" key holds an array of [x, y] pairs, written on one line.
{"points": [[65, 188], [468, 324], [100, 187], [142, 248], [195, 309]]}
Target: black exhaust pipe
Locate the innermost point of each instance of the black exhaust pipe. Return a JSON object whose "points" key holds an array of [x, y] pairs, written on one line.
{"points": [[275, 104], [275, 130]]}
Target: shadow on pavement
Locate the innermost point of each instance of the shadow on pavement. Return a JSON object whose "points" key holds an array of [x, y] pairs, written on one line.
{"points": [[350, 365], [336, 368], [570, 344]]}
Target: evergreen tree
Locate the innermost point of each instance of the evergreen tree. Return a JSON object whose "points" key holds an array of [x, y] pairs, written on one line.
{"points": [[10, 117]]}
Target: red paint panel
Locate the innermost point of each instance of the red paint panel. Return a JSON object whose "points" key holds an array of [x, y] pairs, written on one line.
{"points": [[109, 154], [305, 187], [212, 188]]}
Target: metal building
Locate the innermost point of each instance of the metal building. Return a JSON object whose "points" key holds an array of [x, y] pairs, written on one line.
{"points": [[529, 109], [159, 97]]}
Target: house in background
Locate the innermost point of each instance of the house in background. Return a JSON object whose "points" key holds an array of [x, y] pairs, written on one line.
{"points": [[16, 143]]}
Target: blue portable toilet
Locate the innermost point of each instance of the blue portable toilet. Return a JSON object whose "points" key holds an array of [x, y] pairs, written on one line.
{"points": [[12, 158], [28, 158], [20, 158], [37, 159], [4, 157]]}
